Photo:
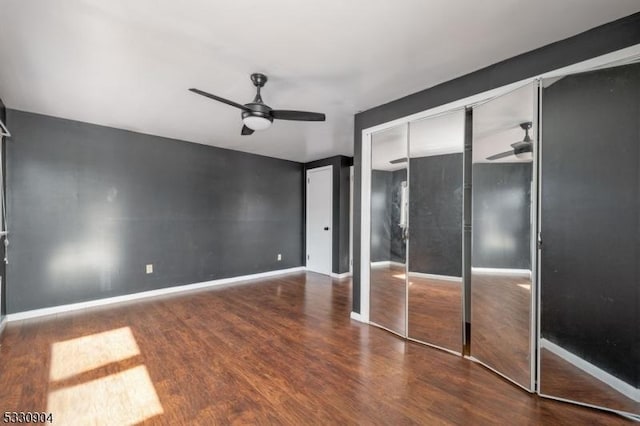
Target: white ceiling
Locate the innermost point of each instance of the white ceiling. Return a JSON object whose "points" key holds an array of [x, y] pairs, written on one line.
{"points": [[443, 134], [496, 124], [128, 64], [389, 145]]}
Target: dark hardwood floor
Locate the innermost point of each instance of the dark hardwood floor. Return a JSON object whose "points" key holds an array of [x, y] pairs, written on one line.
{"points": [[501, 324], [388, 297], [562, 379], [276, 351], [435, 312]]}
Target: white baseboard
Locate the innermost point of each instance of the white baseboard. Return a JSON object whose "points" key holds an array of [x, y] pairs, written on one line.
{"points": [[610, 380], [435, 276], [3, 324], [387, 263], [144, 294], [502, 271], [342, 275], [357, 317]]}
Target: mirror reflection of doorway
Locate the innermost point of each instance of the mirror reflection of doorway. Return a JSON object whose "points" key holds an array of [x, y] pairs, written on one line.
{"points": [[388, 252]]}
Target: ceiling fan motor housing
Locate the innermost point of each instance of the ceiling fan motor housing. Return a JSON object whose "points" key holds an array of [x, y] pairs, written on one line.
{"points": [[258, 79]]}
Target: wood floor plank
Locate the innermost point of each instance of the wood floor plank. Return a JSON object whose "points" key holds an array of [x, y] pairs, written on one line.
{"points": [[281, 350]]}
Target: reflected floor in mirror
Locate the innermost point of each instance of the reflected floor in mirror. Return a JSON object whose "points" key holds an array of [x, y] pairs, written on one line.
{"points": [[561, 379], [500, 324], [435, 312], [388, 296], [279, 350]]}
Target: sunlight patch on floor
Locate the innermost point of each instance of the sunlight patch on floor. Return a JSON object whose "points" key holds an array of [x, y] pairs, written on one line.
{"points": [[525, 286], [76, 356], [127, 397], [400, 276]]}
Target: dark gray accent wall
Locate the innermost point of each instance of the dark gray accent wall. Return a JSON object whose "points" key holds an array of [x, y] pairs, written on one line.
{"points": [[381, 215], [435, 215], [590, 223], [387, 243], [398, 246], [90, 206], [341, 206], [501, 225], [607, 38], [3, 266]]}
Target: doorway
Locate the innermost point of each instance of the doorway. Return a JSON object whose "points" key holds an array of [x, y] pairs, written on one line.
{"points": [[319, 219]]}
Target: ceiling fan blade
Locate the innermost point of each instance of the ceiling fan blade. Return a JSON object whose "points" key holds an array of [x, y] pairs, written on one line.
{"points": [[282, 114], [246, 131], [398, 160], [501, 155], [219, 99]]}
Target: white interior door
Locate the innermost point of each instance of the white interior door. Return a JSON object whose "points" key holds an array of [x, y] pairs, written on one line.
{"points": [[319, 219]]}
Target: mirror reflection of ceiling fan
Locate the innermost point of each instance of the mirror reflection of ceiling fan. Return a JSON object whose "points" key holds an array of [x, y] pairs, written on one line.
{"points": [[398, 160], [256, 115], [520, 148]]}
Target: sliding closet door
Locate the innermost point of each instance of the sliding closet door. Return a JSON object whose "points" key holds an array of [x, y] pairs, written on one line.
{"points": [[590, 225], [435, 241], [389, 228], [504, 144]]}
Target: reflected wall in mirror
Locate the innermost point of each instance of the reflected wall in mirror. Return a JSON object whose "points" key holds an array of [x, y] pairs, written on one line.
{"points": [[435, 238], [502, 253], [590, 292], [389, 198]]}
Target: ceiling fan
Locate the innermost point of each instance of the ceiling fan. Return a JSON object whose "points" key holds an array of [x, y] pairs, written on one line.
{"points": [[520, 148], [256, 115], [398, 160]]}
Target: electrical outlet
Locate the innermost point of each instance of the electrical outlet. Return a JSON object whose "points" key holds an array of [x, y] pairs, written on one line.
{"points": [[279, 257], [150, 268]]}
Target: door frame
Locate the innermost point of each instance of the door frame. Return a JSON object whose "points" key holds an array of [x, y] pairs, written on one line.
{"points": [[306, 204]]}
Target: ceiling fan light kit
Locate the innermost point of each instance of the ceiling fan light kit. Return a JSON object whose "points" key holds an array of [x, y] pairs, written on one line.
{"points": [[256, 115], [256, 122]]}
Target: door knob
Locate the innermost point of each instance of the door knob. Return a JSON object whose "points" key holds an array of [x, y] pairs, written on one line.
{"points": [[326, 228]]}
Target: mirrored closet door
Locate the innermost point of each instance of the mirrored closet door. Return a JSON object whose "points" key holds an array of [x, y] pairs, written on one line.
{"points": [[389, 229], [435, 296], [589, 347], [502, 253]]}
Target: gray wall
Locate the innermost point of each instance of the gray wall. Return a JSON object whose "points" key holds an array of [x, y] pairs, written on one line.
{"points": [[381, 215], [607, 38], [590, 223], [398, 246], [501, 212], [435, 215], [386, 235], [341, 205], [89, 206]]}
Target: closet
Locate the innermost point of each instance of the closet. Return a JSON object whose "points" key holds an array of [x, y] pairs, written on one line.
{"points": [[506, 229]]}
